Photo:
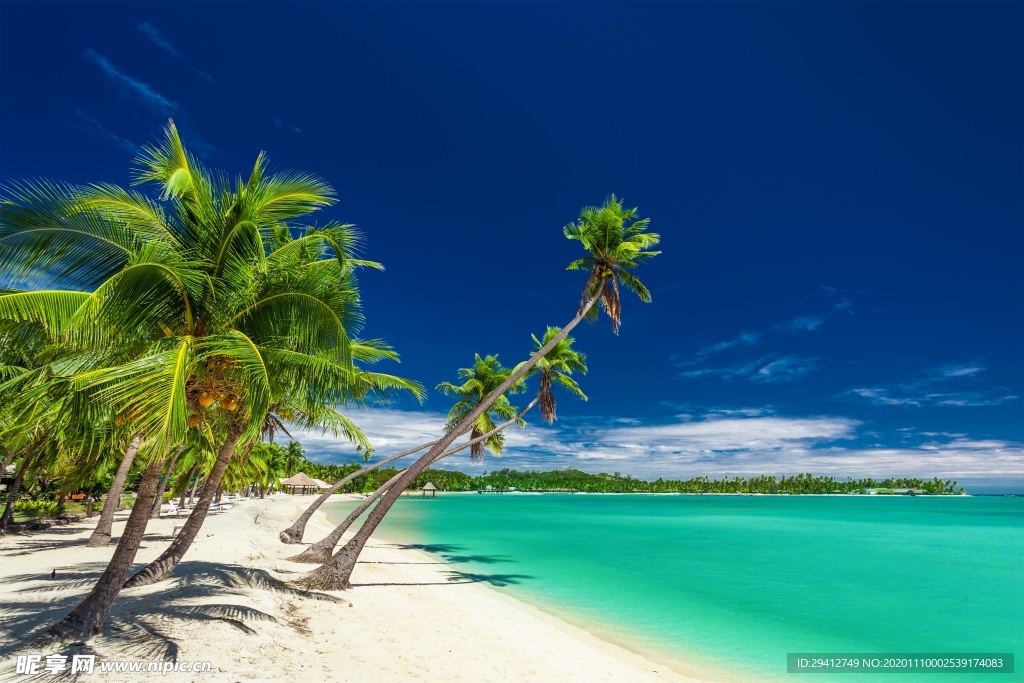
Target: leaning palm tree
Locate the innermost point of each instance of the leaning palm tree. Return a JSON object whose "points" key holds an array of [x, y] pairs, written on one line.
{"points": [[164, 480], [485, 374], [478, 382], [294, 533], [101, 534], [616, 243], [376, 386], [321, 551], [559, 363]]}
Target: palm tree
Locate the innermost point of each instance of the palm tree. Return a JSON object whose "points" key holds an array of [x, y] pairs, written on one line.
{"points": [[615, 248], [273, 465], [292, 457], [293, 534], [478, 382], [556, 367], [377, 385], [162, 486], [560, 360], [616, 243], [101, 534], [321, 551], [211, 310]]}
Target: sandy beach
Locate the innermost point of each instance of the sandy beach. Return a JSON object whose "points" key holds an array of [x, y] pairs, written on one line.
{"points": [[230, 603]]}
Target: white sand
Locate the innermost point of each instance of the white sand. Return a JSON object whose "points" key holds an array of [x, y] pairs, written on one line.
{"points": [[230, 603]]}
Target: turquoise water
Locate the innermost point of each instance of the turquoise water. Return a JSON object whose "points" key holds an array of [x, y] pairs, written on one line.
{"points": [[734, 583]]}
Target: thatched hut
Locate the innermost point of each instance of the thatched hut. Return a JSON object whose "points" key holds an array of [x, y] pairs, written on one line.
{"points": [[300, 481]]}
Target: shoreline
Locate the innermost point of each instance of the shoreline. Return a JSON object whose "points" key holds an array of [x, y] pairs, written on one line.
{"points": [[231, 603], [712, 493], [682, 664]]}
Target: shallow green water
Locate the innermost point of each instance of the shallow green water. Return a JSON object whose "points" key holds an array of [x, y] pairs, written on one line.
{"points": [[735, 583]]}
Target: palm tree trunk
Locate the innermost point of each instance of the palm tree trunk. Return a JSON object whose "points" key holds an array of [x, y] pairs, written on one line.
{"points": [[188, 481], [293, 534], [334, 574], [101, 536], [8, 457], [12, 496], [161, 568], [195, 485], [88, 618], [321, 551], [159, 501]]}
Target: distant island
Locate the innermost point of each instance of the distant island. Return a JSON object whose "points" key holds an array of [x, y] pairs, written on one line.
{"points": [[576, 481], [569, 480]]}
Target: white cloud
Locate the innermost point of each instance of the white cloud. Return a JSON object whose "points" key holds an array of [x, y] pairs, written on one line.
{"points": [[960, 370], [158, 39], [205, 76], [93, 126], [785, 369], [945, 385], [279, 124], [774, 367], [714, 445], [389, 430], [132, 86], [803, 323], [744, 339], [767, 369]]}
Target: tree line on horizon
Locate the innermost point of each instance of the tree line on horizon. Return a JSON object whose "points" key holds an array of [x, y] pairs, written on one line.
{"points": [[586, 482]]}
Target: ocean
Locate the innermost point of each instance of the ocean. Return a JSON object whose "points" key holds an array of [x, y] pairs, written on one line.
{"points": [[733, 584]]}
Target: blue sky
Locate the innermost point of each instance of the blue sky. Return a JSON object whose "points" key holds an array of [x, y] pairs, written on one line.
{"points": [[838, 187]]}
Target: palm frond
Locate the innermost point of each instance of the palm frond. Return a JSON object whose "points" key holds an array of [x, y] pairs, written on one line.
{"points": [[49, 235], [51, 308]]}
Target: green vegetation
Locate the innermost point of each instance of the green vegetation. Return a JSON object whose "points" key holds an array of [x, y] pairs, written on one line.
{"points": [[575, 480], [182, 324], [478, 382], [570, 480]]}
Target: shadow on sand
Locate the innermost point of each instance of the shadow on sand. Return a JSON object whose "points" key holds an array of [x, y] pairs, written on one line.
{"points": [[135, 628], [455, 578]]}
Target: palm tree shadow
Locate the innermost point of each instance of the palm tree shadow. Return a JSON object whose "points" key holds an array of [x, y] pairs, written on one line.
{"points": [[479, 559], [382, 562], [455, 578], [499, 580], [429, 547], [83, 570], [36, 545], [138, 621]]}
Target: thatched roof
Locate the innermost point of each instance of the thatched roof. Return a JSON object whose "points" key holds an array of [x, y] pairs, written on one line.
{"points": [[299, 479], [429, 487], [322, 484]]}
